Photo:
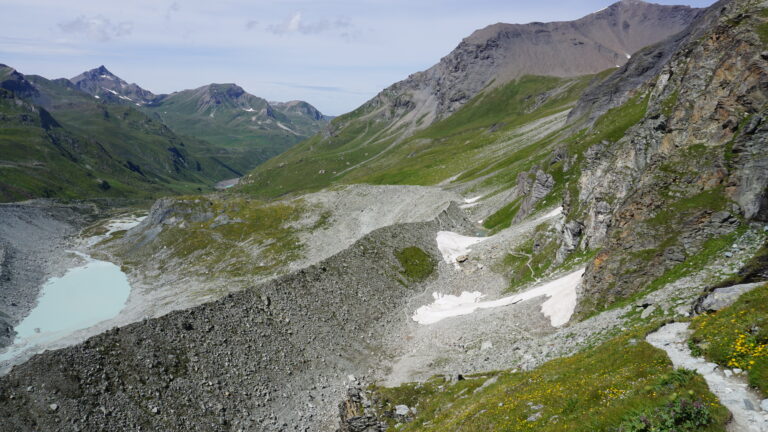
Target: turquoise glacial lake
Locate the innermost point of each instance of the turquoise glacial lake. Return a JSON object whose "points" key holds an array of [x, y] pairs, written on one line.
{"points": [[83, 297]]}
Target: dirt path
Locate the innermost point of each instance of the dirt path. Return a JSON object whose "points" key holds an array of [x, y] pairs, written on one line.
{"points": [[732, 391]]}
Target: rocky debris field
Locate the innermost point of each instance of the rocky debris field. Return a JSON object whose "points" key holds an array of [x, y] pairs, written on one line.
{"points": [[272, 357]]}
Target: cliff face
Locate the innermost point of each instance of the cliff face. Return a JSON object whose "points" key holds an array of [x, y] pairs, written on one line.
{"points": [[691, 170]]}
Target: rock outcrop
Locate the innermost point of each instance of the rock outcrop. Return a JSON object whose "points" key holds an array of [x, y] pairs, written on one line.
{"points": [[720, 298], [531, 188], [691, 169]]}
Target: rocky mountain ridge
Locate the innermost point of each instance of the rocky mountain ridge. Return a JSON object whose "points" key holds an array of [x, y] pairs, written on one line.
{"points": [[106, 85], [502, 52], [122, 140], [102, 83]]}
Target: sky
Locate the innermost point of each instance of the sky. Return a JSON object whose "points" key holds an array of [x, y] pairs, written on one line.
{"points": [[333, 54]]}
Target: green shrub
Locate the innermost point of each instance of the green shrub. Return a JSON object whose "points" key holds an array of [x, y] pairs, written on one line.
{"points": [[680, 415]]}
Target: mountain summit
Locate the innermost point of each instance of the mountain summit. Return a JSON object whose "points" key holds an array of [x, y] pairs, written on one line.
{"points": [[252, 129], [502, 52], [244, 129], [103, 84]]}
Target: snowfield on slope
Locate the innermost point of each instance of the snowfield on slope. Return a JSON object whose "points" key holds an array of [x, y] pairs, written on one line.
{"points": [[559, 307], [452, 245]]}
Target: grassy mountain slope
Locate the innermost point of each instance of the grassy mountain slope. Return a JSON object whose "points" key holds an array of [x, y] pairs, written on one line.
{"points": [[90, 149], [505, 63], [244, 130], [41, 159], [363, 148]]}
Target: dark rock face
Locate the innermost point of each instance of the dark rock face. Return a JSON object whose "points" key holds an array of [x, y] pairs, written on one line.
{"points": [[16, 83], [533, 187], [357, 413], [691, 169], [274, 357]]}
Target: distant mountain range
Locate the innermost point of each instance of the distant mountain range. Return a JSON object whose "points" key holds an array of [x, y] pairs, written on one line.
{"points": [[97, 135]]}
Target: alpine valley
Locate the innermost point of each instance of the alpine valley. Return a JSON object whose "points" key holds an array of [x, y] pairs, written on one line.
{"points": [[558, 227]]}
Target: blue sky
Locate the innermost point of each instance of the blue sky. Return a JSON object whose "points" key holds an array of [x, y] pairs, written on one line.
{"points": [[334, 54]]}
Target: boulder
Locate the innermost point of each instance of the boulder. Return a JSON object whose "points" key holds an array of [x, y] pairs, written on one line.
{"points": [[723, 297]]}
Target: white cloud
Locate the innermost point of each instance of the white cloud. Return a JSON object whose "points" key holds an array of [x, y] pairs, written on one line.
{"points": [[96, 27], [295, 24]]}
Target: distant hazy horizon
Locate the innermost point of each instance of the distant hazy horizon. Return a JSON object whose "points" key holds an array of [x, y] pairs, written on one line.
{"points": [[333, 54]]}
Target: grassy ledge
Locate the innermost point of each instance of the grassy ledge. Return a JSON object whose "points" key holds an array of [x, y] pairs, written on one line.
{"points": [[622, 385], [737, 336]]}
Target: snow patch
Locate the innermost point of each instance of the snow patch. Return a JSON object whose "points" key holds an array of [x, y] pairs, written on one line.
{"points": [[282, 126], [111, 91], [473, 200], [468, 206], [452, 245], [97, 97], [249, 109], [628, 56], [556, 212], [559, 307], [115, 225]]}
